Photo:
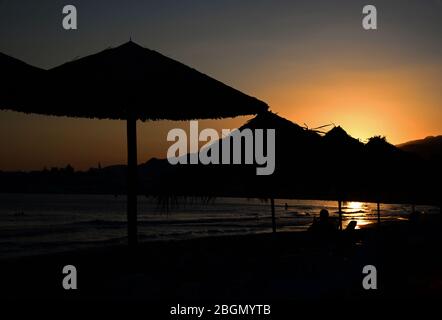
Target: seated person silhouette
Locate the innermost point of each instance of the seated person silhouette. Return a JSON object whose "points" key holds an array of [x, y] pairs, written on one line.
{"points": [[351, 226], [323, 226]]}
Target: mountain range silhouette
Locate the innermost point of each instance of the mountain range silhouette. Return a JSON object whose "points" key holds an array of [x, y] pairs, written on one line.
{"points": [[429, 148]]}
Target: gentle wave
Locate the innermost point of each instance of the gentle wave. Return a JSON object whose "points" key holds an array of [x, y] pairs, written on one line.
{"points": [[43, 223]]}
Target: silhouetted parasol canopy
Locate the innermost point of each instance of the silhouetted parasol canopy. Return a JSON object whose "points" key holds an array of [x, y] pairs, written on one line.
{"points": [[17, 82], [132, 80], [130, 83]]}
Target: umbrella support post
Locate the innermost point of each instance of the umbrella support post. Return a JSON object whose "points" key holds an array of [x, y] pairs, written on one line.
{"points": [[132, 181], [272, 203], [379, 214], [340, 214]]}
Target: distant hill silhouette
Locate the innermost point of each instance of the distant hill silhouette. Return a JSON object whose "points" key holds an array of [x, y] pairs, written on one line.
{"points": [[429, 148]]}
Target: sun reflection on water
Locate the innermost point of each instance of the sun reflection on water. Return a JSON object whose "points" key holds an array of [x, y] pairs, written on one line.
{"points": [[355, 206], [356, 211]]}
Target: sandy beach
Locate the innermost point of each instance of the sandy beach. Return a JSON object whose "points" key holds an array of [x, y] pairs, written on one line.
{"points": [[262, 267]]}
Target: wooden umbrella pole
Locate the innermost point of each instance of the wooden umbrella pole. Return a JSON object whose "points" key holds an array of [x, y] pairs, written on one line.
{"points": [[340, 214], [272, 203], [132, 181], [379, 213]]}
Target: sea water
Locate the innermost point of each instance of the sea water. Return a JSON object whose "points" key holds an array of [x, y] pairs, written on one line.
{"points": [[44, 223]]}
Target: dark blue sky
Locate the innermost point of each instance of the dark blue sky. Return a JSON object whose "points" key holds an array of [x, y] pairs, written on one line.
{"points": [[31, 30]]}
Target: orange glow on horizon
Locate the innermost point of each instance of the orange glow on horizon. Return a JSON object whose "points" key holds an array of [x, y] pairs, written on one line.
{"points": [[399, 104]]}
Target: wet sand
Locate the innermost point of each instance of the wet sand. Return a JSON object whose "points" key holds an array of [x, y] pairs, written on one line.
{"points": [[263, 267]]}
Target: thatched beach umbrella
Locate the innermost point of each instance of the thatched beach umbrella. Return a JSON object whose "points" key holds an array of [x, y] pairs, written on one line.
{"points": [[16, 79], [133, 83]]}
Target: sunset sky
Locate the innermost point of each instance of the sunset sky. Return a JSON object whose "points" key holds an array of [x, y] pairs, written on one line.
{"points": [[311, 61]]}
